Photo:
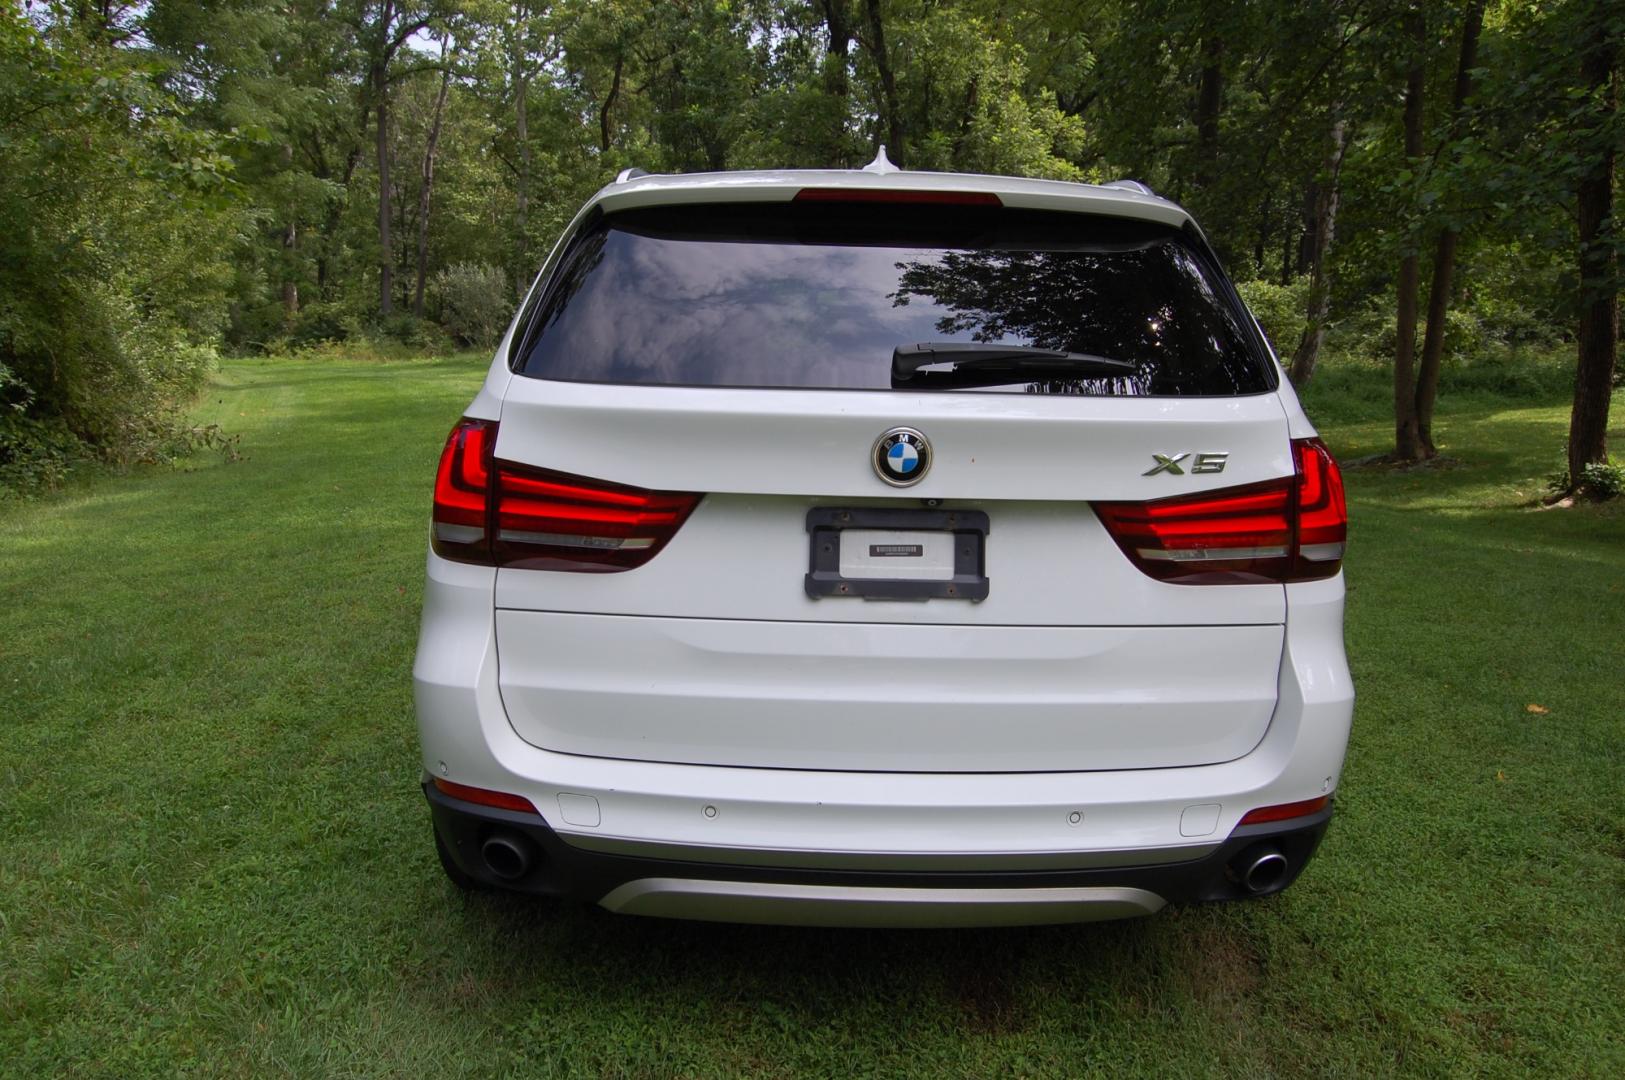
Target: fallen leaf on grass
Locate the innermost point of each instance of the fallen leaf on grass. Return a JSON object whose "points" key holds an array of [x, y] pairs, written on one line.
{"points": [[1499, 775], [1538, 710]]}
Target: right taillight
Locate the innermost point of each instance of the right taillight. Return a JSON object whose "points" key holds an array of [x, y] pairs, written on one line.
{"points": [[1323, 516], [501, 514], [1292, 529]]}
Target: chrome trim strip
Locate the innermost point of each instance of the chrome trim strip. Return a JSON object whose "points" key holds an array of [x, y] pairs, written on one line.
{"points": [[883, 860], [458, 534], [605, 543], [1272, 551], [854, 905]]}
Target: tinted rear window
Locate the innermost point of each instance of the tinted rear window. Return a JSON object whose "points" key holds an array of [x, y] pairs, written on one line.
{"points": [[818, 296]]}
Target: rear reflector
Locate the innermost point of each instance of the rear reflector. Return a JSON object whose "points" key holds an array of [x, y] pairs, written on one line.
{"points": [[499, 799], [1291, 529], [893, 195], [501, 514], [1285, 811]]}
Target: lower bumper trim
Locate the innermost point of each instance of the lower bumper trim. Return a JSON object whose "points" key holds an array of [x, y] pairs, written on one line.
{"points": [[884, 860], [798, 904], [901, 895]]}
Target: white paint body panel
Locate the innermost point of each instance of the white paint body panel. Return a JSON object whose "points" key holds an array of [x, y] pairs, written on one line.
{"points": [[986, 446], [1077, 659], [886, 696]]}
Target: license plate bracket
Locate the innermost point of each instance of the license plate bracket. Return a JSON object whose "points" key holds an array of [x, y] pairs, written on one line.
{"points": [[828, 525]]}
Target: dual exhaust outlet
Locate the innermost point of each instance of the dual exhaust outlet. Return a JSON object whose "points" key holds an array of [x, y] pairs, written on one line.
{"points": [[1259, 869], [506, 855]]}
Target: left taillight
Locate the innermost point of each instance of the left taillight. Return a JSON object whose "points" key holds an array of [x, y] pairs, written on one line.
{"points": [[501, 514], [462, 493]]}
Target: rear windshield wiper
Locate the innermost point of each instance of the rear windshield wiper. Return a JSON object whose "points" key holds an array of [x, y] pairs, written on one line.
{"points": [[981, 361]]}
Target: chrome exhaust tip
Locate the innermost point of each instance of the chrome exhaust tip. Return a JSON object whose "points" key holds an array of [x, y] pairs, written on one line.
{"points": [[1260, 870]]}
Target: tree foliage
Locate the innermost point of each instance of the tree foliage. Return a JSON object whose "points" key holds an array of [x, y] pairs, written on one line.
{"points": [[185, 174], [117, 230]]}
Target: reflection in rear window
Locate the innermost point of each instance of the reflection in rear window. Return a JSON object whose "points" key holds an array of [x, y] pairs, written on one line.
{"points": [[818, 296]]}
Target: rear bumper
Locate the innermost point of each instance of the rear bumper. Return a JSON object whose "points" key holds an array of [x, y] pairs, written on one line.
{"points": [[822, 895], [1115, 828]]}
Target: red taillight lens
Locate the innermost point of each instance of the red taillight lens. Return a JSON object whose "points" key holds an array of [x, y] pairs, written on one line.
{"points": [[1323, 517], [485, 797], [1292, 529], [497, 513], [551, 521], [461, 485], [1285, 811], [892, 195], [1237, 535]]}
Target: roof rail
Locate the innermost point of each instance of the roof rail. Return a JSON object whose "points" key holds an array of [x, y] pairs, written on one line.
{"points": [[630, 174], [1135, 186]]}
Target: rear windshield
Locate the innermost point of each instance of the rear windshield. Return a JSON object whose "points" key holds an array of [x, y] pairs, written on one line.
{"points": [[819, 296]]}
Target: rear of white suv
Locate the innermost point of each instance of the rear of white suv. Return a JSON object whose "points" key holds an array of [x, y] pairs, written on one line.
{"points": [[883, 548]]}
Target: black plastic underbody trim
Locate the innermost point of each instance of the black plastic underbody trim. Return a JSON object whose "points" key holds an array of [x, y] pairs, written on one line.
{"points": [[559, 869]]}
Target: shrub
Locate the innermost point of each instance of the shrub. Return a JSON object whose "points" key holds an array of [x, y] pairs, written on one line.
{"points": [[35, 455], [474, 303], [316, 323], [1600, 479], [407, 329], [115, 214], [1279, 310]]}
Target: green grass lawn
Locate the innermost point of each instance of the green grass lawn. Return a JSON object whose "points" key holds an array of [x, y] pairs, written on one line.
{"points": [[214, 858]]}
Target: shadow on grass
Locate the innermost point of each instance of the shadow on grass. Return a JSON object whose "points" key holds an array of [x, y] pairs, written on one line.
{"points": [[815, 974], [975, 980]]}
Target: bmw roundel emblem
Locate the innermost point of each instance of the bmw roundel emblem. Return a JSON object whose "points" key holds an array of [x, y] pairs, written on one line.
{"points": [[902, 456]]}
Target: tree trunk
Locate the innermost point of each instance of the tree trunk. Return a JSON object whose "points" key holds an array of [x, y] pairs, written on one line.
{"points": [[335, 210], [1319, 305], [521, 121], [1209, 100], [1444, 256], [386, 253], [426, 192], [1599, 267], [290, 285], [1407, 433], [967, 117], [290, 243], [1312, 196], [888, 81], [838, 22], [609, 103], [1262, 238]]}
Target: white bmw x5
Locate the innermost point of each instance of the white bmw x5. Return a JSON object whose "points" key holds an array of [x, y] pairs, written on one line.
{"points": [[883, 548]]}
